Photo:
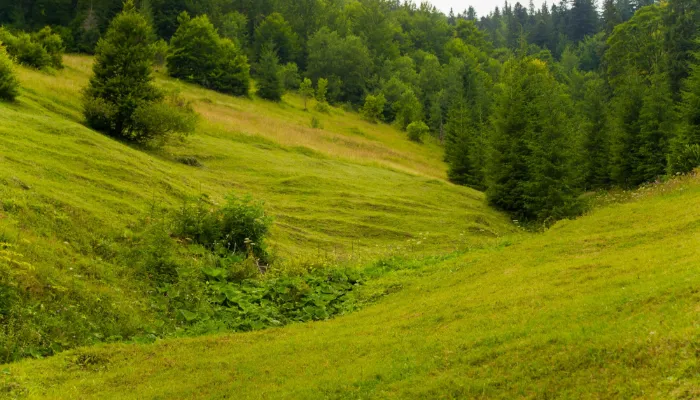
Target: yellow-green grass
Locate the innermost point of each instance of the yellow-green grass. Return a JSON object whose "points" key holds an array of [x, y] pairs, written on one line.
{"points": [[350, 185], [607, 306]]}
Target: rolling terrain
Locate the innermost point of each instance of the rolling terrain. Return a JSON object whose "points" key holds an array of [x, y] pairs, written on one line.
{"points": [[605, 306]]}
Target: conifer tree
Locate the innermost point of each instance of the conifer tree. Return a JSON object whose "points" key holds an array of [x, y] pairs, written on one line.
{"points": [[122, 80], [529, 174], [685, 148], [269, 82]]}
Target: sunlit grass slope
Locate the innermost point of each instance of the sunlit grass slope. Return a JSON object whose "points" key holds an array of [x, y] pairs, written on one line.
{"points": [[607, 306], [350, 185]]}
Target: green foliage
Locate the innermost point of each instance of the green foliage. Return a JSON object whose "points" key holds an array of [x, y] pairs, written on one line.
{"points": [[274, 30], [122, 80], [291, 79], [9, 85], [321, 94], [344, 61], [417, 131], [25, 50], [53, 44], [234, 26], [306, 91], [199, 55], [239, 226], [269, 83], [529, 173], [160, 52], [683, 157], [408, 109], [156, 122], [373, 108]]}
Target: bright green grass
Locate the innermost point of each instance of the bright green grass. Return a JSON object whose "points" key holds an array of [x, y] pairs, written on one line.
{"points": [[351, 185], [607, 306], [72, 201]]}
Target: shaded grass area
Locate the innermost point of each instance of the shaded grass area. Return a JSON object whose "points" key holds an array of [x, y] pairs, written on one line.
{"points": [[607, 306]]}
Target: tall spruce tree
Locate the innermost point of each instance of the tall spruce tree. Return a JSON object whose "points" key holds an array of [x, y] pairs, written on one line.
{"points": [[529, 173], [269, 81], [122, 80]]}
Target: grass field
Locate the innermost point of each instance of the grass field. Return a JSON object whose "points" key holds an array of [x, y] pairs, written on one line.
{"points": [[607, 306], [349, 185], [72, 201]]}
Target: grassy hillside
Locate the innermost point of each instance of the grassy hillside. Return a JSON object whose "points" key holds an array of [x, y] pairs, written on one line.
{"points": [[349, 184], [74, 203], [603, 307]]}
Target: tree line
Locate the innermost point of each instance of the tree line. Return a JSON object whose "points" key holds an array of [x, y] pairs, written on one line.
{"points": [[533, 105]]}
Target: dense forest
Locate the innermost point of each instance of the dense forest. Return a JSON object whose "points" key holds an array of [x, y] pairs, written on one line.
{"points": [[533, 105]]}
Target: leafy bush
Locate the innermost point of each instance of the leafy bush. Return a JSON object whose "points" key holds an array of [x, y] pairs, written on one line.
{"points": [[373, 108], [316, 123], [306, 90], [53, 44], [9, 86], [160, 52], [154, 123], [416, 131], [99, 114], [238, 227], [289, 74], [321, 93]]}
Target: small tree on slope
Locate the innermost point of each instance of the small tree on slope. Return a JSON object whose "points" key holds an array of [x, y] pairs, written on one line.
{"points": [[8, 82], [122, 80]]}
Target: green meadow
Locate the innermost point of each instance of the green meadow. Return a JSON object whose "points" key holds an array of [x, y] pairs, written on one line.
{"points": [[465, 304]]}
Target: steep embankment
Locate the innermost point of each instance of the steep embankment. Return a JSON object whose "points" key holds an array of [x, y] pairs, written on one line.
{"points": [[603, 307]]}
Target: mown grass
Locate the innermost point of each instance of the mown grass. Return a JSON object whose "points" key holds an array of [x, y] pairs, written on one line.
{"points": [[607, 306], [73, 202], [351, 185]]}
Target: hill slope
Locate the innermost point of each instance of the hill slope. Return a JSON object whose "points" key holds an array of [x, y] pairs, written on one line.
{"points": [[73, 203], [603, 307]]}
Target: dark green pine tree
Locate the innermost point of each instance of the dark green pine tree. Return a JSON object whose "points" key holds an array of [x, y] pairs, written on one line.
{"points": [[656, 128], [461, 146], [529, 174], [611, 16], [625, 135], [122, 79], [685, 149], [596, 143], [583, 20], [681, 18], [269, 82]]}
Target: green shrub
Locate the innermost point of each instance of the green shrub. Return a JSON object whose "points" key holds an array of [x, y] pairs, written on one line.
{"points": [[316, 123], [53, 44], [9, 86], [28, 52], [416, 131], [290, 76], [160, 52], [156, 122], [321, 93], [373, 108], [99, 114], [238, 227], [685, 158]]}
